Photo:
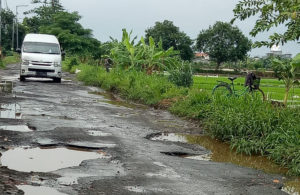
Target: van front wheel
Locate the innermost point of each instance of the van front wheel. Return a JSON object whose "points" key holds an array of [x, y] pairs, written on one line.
{"points": [[57, 80]]}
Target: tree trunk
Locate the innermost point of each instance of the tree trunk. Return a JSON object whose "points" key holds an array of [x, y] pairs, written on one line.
{"points": [[286, 96], [218, 66]]}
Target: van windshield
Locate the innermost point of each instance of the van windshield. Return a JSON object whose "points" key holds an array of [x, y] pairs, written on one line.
{"points": [[38, 47]]}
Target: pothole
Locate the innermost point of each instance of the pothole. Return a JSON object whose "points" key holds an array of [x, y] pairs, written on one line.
{"points": [[220, 152], [38, 190], [18, 128], [46, 159], [10, 111]]}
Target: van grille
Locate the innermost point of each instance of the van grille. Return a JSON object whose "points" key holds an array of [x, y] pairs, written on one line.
{"points": [[40, 70], [37, 63]]}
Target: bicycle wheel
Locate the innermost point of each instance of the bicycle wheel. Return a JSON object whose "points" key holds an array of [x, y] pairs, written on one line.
{"points": [[259, 94], [222, 90]]}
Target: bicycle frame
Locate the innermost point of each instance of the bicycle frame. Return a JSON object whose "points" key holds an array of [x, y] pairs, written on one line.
{"points": [[235, 92]]}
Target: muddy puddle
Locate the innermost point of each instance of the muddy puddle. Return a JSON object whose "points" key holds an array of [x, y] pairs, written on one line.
{"points": [[18, 128], [38, 190], [221, 152], [10, 111], [46, 159]]}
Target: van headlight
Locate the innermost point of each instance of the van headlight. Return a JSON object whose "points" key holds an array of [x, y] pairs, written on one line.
{"points": [[25, 62], [56, 64]]}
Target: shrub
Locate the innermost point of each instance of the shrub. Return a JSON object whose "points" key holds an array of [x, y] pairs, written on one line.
{"points": [[182, 76]]}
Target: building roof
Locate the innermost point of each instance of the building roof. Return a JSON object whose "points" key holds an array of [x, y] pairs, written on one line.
{"points": [[200, 54]]}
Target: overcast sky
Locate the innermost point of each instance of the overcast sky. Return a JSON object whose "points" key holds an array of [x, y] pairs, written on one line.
{"points": [[108, 17]]}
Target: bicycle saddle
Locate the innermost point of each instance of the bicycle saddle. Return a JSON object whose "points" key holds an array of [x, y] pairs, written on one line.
{"points": [[232, 78]]}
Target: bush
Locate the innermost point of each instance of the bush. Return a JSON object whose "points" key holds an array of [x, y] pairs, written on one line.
{"points": [[182, 76]]}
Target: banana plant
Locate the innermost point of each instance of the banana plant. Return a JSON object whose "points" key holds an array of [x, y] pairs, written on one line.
{"points": [[286, 71]]}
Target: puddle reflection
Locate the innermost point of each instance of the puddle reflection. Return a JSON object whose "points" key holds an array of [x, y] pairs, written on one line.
{"points": [[45, 160]]}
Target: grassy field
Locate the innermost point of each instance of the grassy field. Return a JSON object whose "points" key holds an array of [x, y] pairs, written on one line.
{"points": [[273, 88]]}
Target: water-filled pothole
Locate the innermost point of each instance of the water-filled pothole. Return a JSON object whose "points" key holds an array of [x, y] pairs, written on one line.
{"points": [[46, 159], [18, 128], [221, 152], [38, 190], [10, 111]]}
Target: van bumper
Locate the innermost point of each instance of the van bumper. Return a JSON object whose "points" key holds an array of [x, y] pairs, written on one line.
{"points": [[40, 71]]}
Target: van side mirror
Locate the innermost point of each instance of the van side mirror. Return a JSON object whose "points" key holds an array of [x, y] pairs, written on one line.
{"points": [[18, 50], [63, 55]]}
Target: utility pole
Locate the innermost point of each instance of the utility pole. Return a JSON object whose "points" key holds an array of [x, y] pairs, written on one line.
{"points": [[17, 24], [13, 35], [0, 29]]}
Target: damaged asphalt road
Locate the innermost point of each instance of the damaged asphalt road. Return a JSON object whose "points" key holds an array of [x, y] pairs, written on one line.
{"points": [[70, 139]]}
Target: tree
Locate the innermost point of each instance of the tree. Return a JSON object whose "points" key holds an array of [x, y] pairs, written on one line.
{"points": [[272, 13], [286, 70], [42, 15], [141, 56], [223, 43], [171, 36], [51, 18], [8, 17]]}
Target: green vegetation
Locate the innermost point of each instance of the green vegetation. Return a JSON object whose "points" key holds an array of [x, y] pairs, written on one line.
{"points": [[15, 58], [223, 43], [171, 36], [271, 13], [133, 85], [286, 71], [7, 17], [51, 18]]}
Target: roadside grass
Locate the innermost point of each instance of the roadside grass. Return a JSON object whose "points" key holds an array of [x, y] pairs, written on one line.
{"points": [[10, 60], [250, 125]]}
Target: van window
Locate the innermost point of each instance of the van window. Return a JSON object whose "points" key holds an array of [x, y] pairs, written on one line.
{"points": [[38, 47]]}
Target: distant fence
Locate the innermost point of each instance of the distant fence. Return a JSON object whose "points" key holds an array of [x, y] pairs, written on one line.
{"points": [[227, 72]]}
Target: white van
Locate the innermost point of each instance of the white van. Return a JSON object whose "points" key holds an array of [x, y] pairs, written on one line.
{"points": [[41, 57]]}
